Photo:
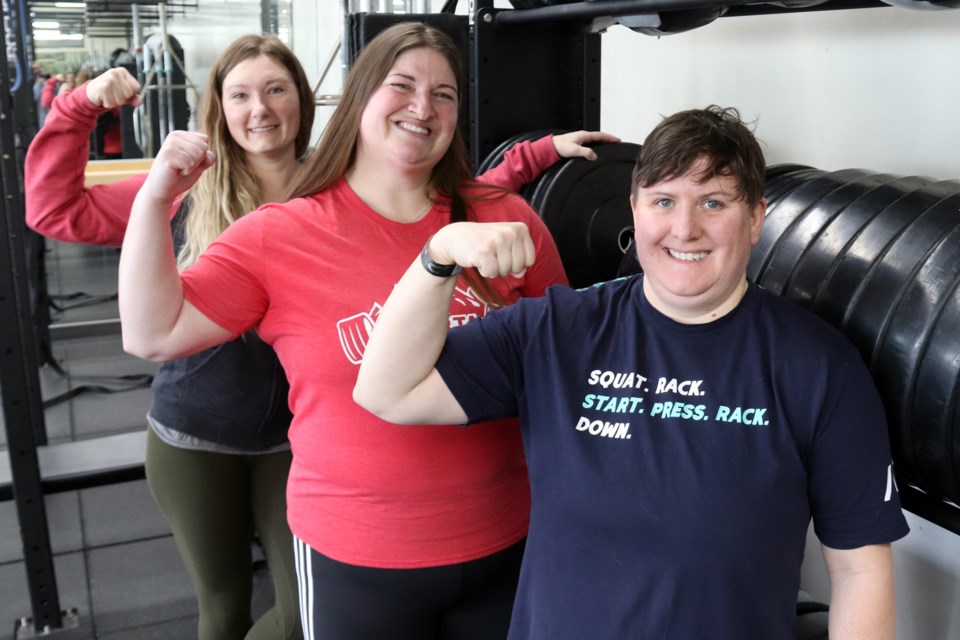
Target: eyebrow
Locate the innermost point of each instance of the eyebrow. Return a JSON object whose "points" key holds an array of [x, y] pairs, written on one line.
{"points": [[244, 85], [709, 194], [412, 79]]}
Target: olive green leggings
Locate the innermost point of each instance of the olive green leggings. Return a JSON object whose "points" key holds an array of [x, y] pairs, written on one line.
{"points": [[213, 503]]}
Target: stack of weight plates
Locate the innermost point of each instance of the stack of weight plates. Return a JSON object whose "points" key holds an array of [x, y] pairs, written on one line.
{"points": [[878, 257]]}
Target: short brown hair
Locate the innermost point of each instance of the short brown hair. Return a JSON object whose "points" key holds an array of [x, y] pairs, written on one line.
{"points": [[716, 133]]}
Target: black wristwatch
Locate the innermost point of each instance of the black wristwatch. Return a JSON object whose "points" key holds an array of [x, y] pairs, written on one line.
{"points": [[435, 268]]}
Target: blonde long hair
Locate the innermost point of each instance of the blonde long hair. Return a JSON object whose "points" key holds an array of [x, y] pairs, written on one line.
{"points": [[228, 190]]}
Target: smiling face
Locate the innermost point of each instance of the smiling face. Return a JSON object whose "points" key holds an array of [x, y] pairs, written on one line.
{"points": [[410, 120], [261, 107], [693, 238]]}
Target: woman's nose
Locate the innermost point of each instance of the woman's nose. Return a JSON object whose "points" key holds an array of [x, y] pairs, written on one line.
{"points": [[257, 105], [421, 105], [685, 223]]}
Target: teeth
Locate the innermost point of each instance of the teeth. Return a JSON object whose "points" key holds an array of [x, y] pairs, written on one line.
{"points": [[689, 257], [414, 128], [262, 129]]}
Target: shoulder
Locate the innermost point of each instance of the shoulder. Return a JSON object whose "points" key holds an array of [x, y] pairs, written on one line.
{"points": [[492, 204], [809, 335], [561, 303]]}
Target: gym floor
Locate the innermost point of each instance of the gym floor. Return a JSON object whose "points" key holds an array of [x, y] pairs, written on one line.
{"points": [[115, 559]]}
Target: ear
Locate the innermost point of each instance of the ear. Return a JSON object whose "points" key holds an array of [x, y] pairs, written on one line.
{"points": [[757, 217]]}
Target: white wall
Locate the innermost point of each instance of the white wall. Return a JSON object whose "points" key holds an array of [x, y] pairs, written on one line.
{"points": [[871, 88], [316, 31]]}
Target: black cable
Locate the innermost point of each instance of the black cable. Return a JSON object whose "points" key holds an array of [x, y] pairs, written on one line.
{"points": [[82, 300], [137, 382]]}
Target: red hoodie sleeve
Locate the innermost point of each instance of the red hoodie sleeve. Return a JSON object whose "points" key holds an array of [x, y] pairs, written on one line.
{"points": [[522, 163], [57, 203], [48, 93]]}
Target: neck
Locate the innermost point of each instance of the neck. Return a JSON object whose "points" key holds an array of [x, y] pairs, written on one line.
{"points": [[694, 315], [400, 197], [273, 174]]}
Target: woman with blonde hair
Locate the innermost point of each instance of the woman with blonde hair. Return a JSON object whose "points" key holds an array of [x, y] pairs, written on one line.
{"points": [[217, 450], [401, 533]]}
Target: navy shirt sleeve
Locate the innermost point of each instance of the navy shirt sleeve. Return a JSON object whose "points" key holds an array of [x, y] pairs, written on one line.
{"points": [[481, 363]]}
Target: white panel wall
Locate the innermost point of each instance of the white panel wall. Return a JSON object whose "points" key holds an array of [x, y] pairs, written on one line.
{"points": [[873, 88]]}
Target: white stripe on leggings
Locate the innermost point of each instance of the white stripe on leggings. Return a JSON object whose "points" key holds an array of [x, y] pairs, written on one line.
{"points": [[302, 555]]}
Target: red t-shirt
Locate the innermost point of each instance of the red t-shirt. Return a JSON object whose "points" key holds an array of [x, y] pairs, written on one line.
{"points": [[312, 275]]}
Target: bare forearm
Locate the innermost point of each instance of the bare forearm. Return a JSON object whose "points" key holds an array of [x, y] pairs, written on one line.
{"points": [[402, 350], [397, 379], [862, 602]]}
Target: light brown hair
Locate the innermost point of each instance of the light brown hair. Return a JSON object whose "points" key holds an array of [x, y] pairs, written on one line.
{"points": [[337, 149], [228, 190]]}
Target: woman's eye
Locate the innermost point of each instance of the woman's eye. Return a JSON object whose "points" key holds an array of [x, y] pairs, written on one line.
{"points": [[448, 97], [400, 85], [275, 90], [663, 202], [712, 204], [238, 96]]}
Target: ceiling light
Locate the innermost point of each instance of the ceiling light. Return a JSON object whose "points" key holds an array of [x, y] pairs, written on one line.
{"points": [[51, 35], [70, 5], [46, 24]]}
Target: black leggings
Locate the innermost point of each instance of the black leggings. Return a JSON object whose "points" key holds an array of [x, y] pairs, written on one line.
{"points": [[465, 601]]}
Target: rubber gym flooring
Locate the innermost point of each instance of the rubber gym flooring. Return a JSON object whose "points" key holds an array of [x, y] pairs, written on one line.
{"points": [[114, 557]]}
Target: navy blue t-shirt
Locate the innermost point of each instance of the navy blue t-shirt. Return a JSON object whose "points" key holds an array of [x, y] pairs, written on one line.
{"points": [[675, 468]]}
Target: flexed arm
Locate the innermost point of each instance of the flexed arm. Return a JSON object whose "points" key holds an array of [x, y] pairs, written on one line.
{"points": [[157, 323], [397, 379], [524, 162], [58, 205]]}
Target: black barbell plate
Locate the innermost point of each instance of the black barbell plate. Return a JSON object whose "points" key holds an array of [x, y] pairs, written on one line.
{"points": [[905, 345], [495, 157], [937, 403], [824, 253], [586, 206], [774, 170], [868, 311], [780, 186], [673, 22], [630, 263], [539, 189], [796, 241], [780, 219], [839, 288]]}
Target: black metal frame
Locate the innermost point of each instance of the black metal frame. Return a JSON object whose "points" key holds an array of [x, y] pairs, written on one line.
{"points": [[601, 9], [19, 378], [551, 71]]}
